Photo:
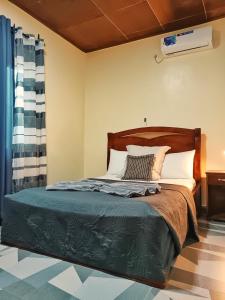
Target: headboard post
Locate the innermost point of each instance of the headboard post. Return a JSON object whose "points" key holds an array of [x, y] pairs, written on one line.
{"points": [[179, 139], [197, 161], [109, 146]]}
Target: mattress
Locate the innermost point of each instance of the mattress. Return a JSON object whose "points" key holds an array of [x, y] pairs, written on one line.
{"points": [[189, 183]]}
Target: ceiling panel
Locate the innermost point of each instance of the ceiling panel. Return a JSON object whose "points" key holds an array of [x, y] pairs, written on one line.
{"points": [[94, 34], [135, 18], [185, 22], [60, 13], [215, 8], [214, 4], [95, 24], [169, 11], [111, 5]]}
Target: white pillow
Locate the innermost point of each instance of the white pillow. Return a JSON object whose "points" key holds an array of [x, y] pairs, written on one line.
{"points": [[117, 163], [158, 151], [178, 165]]}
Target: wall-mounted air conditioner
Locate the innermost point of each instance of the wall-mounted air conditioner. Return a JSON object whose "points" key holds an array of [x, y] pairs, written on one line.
{"points": [[187, 41]]}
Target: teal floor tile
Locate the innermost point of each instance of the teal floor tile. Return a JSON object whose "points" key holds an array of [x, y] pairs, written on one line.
{"points": [[48, 292], [6, 279], [96, 273], [135, 292], [23, 254], [6, 296], [83, 272], [19, 289]]}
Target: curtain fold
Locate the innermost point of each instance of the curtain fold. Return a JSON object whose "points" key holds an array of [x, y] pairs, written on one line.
{"points": [[6, 107], [29, 135]]}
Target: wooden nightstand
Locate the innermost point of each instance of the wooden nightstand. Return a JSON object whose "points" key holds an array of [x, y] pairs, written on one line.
{"points": [[216, 195]]}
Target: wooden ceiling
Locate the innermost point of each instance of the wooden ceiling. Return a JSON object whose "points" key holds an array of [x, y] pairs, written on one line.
{"points": [[95, 24]]}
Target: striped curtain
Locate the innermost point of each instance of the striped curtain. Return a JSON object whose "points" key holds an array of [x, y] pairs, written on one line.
{"points": [[29, 134], [6, 107]]}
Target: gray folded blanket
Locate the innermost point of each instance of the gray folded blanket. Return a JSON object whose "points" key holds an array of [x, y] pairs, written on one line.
{"points": [[123, 189]]}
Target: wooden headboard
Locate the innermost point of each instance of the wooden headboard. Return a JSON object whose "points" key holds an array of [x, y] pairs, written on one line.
{"points": [[179, 139]]}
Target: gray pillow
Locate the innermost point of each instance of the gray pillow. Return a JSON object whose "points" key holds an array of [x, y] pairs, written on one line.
{"points": [[139, 167], [158, 151]]}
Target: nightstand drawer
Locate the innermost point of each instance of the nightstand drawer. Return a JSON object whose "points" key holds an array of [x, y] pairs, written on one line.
{"points": [[216, 179], [216, 194]]}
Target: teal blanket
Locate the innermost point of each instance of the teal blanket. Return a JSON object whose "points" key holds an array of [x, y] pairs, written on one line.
{"points": [[122, 236]]}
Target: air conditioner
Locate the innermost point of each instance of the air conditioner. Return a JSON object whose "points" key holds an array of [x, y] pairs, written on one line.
{"points": [[187, 41]]}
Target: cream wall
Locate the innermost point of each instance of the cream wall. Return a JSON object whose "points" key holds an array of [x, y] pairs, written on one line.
{"points": [[124, 85], [65, 74]]}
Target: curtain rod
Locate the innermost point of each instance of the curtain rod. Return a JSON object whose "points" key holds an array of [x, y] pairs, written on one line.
{"points": [[26, 34]]}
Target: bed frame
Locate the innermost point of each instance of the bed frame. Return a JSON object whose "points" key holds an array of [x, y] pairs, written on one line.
{"points": [[179, 139]]}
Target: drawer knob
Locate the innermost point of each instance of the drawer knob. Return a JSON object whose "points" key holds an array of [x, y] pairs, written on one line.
{"points": [[221, 179]]}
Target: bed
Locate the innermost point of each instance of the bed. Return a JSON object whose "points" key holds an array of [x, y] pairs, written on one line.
{"points": [[131, 238]]}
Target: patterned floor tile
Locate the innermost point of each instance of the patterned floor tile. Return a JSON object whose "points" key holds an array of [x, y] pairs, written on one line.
{"points": [[96, 288], [2, 247], [96, 273], [19, 289], [215, 295], [6, 279], [181, 287], [68, 281], [197, 280], [41, 278], [8, 258], [136, 291], [23, 254], [176, 295], [159, 296], [208, 247], [83, 272], [6, 296], [31, 265], [49, 292]]}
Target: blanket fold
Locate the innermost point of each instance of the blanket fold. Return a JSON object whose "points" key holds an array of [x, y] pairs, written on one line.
{"points": [[118, 188], [176, 205]]}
